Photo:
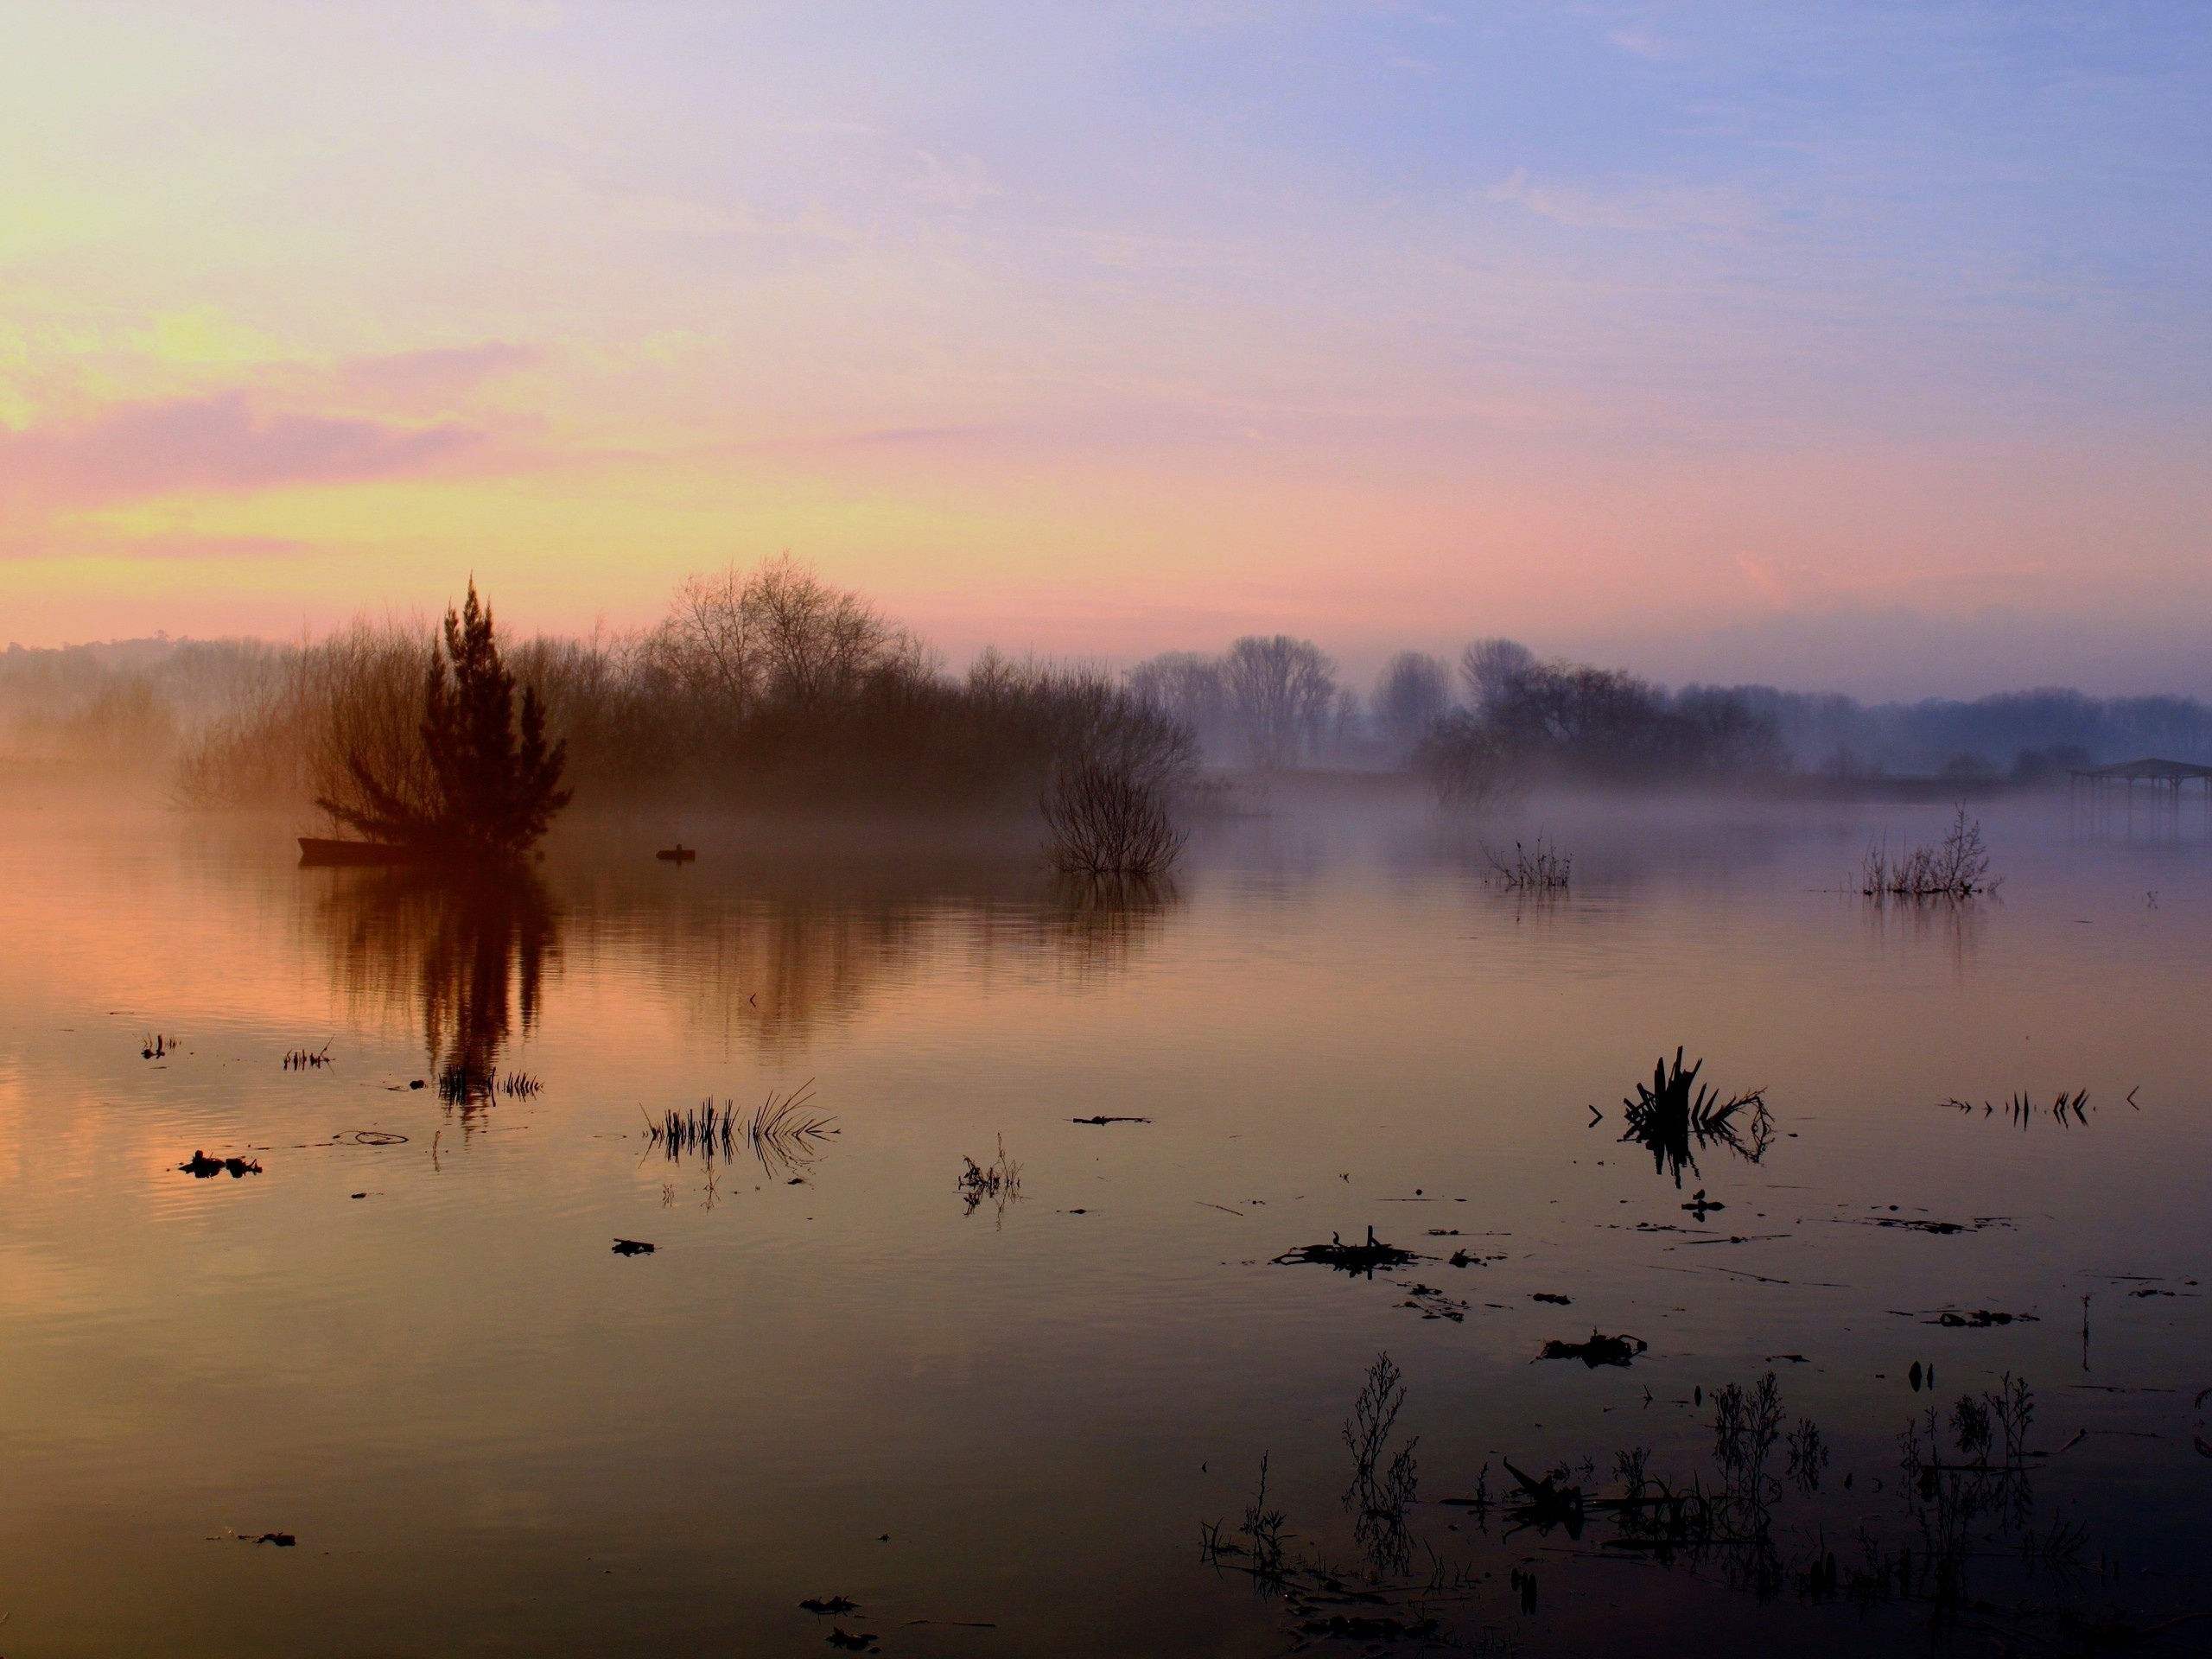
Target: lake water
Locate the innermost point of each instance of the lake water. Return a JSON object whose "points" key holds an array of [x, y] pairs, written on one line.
{"points": [[1012, 1426]]}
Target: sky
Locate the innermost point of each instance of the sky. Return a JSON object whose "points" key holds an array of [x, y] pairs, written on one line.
{"points": [[1859, 347]]}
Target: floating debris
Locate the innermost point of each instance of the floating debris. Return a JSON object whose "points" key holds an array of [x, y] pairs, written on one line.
{"points": [[158, 1047], [1980, 1319], [1546, 1296], [840, 1637], [282, 1540], [830, 1604], [1599, 1350], [632, 1247], [1109, 1120], [1700, 1206], [1940, 1228], [200, 1166], [1363, 1259], [1433, 1304]]}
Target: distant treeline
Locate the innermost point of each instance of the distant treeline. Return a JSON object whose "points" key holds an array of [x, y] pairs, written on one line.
{"points": [[772, 686], [767, 687]]}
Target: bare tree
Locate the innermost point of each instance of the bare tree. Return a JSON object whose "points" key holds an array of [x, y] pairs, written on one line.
{"points": [[1415, 688], [1280, 691], [1187, 687], [1104, 820], [1490, 667]]}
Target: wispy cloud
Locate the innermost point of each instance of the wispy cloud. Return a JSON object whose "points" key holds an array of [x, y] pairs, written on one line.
{"points": [[1646, 206], [132, 451], [435, 379], [1643, 44], [960, 182]]}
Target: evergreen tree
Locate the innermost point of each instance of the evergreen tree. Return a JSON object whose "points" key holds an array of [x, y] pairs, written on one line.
{"points": [[485, 789]]}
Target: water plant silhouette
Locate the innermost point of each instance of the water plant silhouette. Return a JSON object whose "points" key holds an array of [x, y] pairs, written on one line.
{"points": [[1672, 1123]]}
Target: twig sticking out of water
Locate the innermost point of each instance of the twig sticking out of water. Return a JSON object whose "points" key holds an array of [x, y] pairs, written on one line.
{"points": [[520, 1085], [301, 1059], [1537, 868]]}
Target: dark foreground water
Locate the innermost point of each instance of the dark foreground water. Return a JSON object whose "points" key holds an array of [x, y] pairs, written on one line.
{"points": [[1016, 1425]]}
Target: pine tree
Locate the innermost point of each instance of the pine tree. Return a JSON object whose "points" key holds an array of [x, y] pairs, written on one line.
{"points": [[489, 791]]}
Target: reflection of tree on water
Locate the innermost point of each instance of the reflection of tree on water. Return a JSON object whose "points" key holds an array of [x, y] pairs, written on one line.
{"points": [[784, 951], [466, 953], [1095, 923]]}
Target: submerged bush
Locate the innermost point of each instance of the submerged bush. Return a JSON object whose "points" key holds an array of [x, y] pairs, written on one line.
{"points": [[1105, 819], [1957, 868]]}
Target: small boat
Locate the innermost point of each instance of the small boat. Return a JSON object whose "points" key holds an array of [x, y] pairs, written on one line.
{"points": [[315, 849], [678, 853]]}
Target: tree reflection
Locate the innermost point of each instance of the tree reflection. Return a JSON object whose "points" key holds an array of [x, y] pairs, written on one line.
{"points": [[466, 954]]}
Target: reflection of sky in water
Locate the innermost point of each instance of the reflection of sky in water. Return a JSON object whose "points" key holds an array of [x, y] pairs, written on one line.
{"points": [[504, 1435]]}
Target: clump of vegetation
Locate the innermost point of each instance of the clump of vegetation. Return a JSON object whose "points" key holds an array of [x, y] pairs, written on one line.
{"points": [[1107, 820], [785, 1133], [304, 1059], [475, 786], [1957, 868], [1671, 1121], [999, 1181], [1536, 867]]}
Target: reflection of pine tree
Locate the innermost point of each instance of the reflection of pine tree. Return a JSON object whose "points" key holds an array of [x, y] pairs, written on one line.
{"points": [[490, 789]]}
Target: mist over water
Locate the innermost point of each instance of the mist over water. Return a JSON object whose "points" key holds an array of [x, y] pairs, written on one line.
{"points": [[488, 1431]]}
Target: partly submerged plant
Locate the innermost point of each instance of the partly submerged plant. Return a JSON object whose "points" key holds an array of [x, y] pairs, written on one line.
{"points": [[1106, 820], [1957, 868], [1671, 1121]]}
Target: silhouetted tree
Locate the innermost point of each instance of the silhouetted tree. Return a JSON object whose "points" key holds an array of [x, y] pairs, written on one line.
{"points": [[1490, 666], [478, 787], [1281, 691], [1413, 691]]}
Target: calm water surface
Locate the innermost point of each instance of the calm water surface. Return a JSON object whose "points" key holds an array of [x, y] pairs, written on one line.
{"points": [[1005, 1428]]}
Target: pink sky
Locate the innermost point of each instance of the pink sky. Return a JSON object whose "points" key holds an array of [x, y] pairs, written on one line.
{"points": [[1822, 353]]}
